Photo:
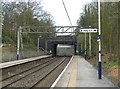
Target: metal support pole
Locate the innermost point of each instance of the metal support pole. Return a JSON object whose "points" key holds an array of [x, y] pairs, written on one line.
{"points": [[21, 41], [0, 25], [18, 44], [75, 46], [85, 46], [46, 45], [38, 44], [89, 44], [99, 36], [81, 48]]}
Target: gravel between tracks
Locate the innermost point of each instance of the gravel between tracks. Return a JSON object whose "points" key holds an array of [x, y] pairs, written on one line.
{"points": [[25, 73], [48, 81], [30, 80], [13, 70]]}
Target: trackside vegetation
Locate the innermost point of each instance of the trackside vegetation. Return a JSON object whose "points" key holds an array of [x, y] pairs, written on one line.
{"points": [[110, 29], [110, 36], [19, 14]]}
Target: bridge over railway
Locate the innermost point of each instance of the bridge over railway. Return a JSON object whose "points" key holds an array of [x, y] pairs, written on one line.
{"points": [[52, 43], [62, 35]]}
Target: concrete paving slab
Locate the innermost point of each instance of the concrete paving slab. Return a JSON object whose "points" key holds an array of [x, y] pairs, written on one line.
{"points": [[87, 76]]}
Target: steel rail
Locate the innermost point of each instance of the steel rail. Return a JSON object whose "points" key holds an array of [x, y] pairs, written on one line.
{"points": [[3, 87], [48, 74], [25, 70]]}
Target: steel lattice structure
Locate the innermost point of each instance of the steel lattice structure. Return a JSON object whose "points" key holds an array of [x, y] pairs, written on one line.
{"points": [[47, 29]]}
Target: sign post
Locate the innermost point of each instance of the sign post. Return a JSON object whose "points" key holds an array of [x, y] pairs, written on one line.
{"points": [[88, 31], [89, 44]]}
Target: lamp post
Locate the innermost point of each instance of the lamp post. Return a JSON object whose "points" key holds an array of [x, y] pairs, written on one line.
{"points": [[99, 40]]}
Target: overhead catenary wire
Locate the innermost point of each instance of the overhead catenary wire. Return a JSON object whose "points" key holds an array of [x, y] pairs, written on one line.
{"points": [[67, 13]]}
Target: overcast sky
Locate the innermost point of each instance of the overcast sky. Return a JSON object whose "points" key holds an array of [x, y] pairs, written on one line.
{"points": [[56, 8]]}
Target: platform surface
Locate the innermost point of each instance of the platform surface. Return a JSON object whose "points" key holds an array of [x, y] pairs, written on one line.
{"points": [[16, 62], [81, 73]]}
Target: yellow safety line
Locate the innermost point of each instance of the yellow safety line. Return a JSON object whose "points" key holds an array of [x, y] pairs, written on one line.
{"points": [[73, 77]]}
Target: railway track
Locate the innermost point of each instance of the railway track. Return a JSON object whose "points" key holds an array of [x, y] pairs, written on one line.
{"points": [[37, 65], [16, 69], [37, 75], [9, 80]]}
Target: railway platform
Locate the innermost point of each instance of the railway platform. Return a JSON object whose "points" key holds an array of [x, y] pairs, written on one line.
{"points": [[80, 73], [16, 62]]}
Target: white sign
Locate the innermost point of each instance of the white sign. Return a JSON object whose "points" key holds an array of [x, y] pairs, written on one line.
{"points": [[88, 30]]}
